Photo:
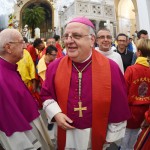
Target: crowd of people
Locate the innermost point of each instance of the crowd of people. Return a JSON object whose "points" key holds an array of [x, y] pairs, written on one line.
{"points": [[76, 97]]}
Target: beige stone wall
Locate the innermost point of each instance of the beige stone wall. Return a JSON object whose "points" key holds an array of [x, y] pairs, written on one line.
{"points": [[18, 9]]}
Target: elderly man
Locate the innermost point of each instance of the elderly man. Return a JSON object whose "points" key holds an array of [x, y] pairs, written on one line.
{"points": [[80, 94], [104, 40], [21, 126], [26, 68]]}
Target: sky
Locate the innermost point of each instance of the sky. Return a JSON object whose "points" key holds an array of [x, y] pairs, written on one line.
{"points": [[6, 8]]}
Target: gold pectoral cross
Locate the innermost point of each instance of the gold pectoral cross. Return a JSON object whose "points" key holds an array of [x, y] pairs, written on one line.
{"points": [[80, 109]]}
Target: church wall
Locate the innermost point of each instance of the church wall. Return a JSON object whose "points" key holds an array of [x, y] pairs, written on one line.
{"points": [[148, 4], [124, 25], [126, 18], [133, 27], [95, 11], [143, 14], [127, 26], [17, 12], [141, 19], [20, 7]]}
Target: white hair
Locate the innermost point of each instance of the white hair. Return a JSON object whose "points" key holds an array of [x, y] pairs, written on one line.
{"points": [[6, 36], [92, 31]]}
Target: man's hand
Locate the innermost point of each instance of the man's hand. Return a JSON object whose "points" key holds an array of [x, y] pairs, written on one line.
{"points": [[63, 121]]}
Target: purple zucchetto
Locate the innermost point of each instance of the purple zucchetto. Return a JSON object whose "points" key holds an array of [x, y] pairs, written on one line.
{"points": [[82, 20]]}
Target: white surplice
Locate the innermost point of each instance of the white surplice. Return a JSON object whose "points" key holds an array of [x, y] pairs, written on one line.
{"points": [[28, 140], [113, 56], [80, 139]]}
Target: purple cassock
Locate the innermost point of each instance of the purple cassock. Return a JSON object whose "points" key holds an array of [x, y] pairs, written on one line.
{"points": [[17, 106], [119, 110]]}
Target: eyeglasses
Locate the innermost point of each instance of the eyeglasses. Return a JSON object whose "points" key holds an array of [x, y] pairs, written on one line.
{"points": [[54, 55], [102, 37], [51, 42], [74, 36], [21, 42], [121, 41]]}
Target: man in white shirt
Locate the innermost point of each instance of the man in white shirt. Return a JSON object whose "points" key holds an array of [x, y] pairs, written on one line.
{"points": [[104, 40]]}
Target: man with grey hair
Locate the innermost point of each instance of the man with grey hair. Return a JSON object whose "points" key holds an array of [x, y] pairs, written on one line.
{"points": [[104, 40], [21, 126], [80, 94]]}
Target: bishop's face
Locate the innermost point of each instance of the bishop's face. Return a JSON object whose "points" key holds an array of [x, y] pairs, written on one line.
{"points": [[78, 41]]}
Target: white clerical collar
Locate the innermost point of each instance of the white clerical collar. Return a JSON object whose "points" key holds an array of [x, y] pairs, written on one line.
{"points": [[3, 58], [106, 53], [87, 58]]}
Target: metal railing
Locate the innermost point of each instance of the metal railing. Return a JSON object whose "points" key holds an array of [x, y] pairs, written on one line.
{"points": [[46, 35]]}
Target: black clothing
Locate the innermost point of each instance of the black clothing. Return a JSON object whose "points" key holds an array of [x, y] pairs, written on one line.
{"points": [[126, 58]]}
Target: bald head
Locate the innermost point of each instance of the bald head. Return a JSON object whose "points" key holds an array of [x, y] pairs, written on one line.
{"points": [[11, 45], [8, 35]]}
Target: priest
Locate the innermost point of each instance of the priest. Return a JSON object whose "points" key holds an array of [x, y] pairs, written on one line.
{"points": [[21, 126], [85, 93], [104, 41]]}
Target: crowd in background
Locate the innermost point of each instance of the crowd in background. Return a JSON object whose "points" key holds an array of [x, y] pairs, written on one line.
{"points": [[44, 52], [131, 54]]}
